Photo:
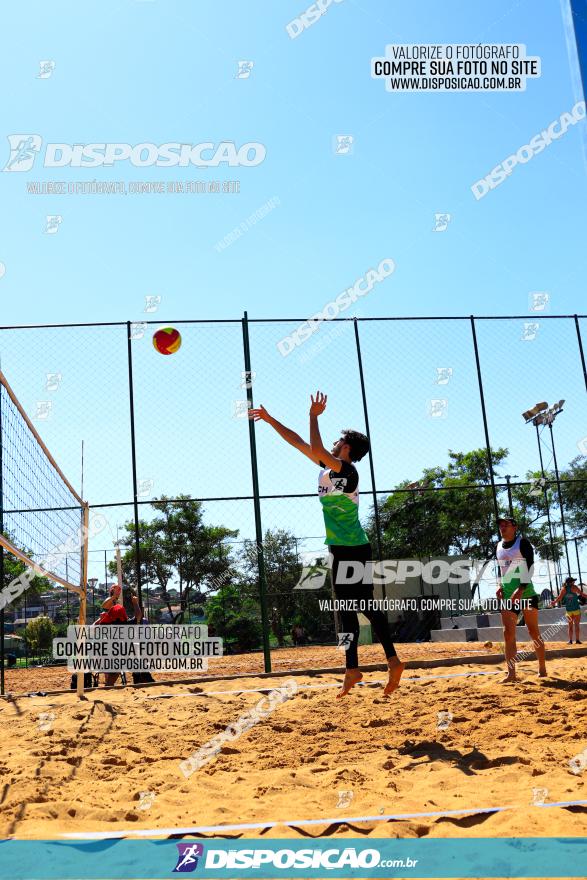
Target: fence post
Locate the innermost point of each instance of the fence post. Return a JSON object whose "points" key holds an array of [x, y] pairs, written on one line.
{"points": [[371, 467], [134, 462], [578, 560], [256, 500], [484, 413], [2, 584], [581, 352]]}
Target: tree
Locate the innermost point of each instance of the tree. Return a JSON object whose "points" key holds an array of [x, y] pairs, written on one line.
{"points": [[282, 572], [575, 495], [156, 567], [283, 569], [532, 503], [177, 547], [441, 516], [235, 617], [39, 635], [14, 568]]}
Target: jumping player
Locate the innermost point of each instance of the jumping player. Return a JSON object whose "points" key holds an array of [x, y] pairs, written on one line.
{"points": [[338, 491], [515, 559], [569, 597]]}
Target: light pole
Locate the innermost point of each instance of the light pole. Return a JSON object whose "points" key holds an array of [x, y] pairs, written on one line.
{"points": [[545, 490], [549, 418], [508, 478], [542, 414]]}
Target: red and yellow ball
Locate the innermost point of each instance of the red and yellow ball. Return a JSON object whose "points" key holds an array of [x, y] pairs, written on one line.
{"points": [[167, 340]]}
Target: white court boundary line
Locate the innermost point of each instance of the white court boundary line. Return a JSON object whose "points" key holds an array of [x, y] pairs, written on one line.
{"points": [[312, 687], [250, 826]]}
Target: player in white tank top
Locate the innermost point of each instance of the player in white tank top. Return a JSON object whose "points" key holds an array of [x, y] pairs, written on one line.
{"points": [[515, 558]]}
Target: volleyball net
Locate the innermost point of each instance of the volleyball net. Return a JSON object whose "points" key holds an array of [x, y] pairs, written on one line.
{"points": [[43, 520]]}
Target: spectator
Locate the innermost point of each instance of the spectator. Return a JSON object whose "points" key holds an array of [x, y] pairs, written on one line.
{"points": [[298, 635], [569, 597]]}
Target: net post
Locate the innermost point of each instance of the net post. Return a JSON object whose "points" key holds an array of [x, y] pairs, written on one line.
{"points": [[257, 503], [131, 398], [581, 352], [83, 586], [484, 414], [1, 552], [371, 465]]}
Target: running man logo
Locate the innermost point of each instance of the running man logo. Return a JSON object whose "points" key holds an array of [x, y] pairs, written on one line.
{"points": [[343, 144], [538, 301], [345, 797], [45, 722], [146, 800], [344, 640], [138, 329], [443, 375], [188, 855], [44, 408], [244, 69], [438, 408], [241, 409], [152, 303], [529, 331], [313, 577], [538, 487], [23, 151], [444, 719], [53, 381], [578, 763], [46, 69], [247, 378], [145, 487], [54, 221], [441, 222]]}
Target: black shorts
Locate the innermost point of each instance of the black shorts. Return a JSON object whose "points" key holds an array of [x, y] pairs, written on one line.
{"points": [[360, 553], [516, 607]]}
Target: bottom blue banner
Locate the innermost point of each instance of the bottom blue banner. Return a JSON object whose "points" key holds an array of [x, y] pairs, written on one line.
{"points": [[338, 858]]}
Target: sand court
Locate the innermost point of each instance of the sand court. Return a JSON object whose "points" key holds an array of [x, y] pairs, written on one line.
{"points": [[494, 762]]}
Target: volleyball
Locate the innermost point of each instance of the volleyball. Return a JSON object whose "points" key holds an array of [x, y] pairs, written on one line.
{"points": [[167, 340]]}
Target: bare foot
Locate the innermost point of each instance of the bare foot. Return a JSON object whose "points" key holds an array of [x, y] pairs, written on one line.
{"points": [[509, 679], [396, 668], [352, 676], [542, 672]]}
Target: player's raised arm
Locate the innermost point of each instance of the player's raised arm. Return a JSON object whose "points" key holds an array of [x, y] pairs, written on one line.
{"points": [[261, 415], [317, 407]]}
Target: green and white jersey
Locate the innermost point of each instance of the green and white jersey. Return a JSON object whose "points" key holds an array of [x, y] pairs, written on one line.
{"points": [[515, 560], [339, 496]]}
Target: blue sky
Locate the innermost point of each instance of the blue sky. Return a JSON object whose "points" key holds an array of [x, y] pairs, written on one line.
{"points": [[158, 72]]}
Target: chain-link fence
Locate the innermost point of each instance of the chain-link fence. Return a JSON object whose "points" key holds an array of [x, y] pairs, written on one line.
{"points": [[441, 400]]}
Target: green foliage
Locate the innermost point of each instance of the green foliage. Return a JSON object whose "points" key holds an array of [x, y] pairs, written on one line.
{"points": [[575, 495], [456, 520], [235, 617], [39, 635], [178, 549], [14, 568], [283, 569]]}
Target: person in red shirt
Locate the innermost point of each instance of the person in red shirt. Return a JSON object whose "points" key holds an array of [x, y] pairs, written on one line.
{"points": [[113, 613]]}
